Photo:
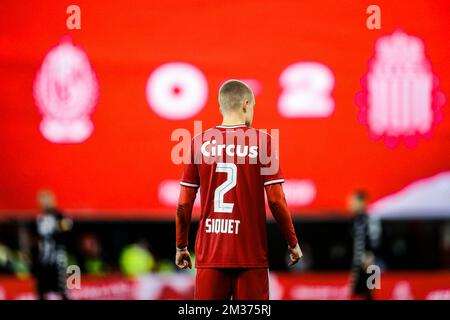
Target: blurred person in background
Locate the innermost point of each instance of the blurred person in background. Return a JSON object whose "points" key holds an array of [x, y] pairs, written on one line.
{"points": [[51, 258], [6, 260], [363, 255], [13, 260], [91, 259], [136, 259]]}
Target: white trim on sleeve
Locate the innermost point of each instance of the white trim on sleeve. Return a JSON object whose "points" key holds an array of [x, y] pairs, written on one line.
{"points": [[192, 185], [273, 181]]}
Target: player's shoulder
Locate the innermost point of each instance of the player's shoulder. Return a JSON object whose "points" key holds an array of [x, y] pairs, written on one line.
{"points": [[263, 132], [263, 135], [203, 133]]}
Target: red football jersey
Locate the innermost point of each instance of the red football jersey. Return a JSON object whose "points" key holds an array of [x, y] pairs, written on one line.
{"points": [[231, 165]]}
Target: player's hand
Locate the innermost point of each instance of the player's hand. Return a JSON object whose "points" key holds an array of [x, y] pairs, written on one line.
{"points": [[183, 259], [296, 254]]}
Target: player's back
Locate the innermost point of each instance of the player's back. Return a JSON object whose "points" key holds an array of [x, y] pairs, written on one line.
{"points": [[228, 163]]}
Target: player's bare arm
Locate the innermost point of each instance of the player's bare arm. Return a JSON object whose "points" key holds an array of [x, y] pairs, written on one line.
{"points": [[280, 211]]}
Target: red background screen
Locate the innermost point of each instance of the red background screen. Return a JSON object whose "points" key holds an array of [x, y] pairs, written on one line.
{"points": [[121, 167]]}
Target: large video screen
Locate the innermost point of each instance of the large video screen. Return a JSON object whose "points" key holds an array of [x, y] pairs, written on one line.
{"points": [[89, 112]]}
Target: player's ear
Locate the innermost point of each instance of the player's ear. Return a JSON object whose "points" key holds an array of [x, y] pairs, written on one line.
{"points": [[245, 105]]}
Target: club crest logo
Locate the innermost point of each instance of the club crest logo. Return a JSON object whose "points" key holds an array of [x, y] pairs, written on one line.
{"points": [[400, 100], [66, 92]]}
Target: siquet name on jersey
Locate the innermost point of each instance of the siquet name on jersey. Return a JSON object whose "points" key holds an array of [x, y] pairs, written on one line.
{"points": [[229, 226]]}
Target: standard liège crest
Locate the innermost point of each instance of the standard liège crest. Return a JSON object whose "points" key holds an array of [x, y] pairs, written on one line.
{"points": [[66, 92], [400, 100]]}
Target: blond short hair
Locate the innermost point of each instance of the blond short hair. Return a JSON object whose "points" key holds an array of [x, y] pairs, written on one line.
{"points": [[232, 93]]}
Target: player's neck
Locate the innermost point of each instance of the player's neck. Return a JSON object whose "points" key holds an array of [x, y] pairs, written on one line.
{"points": [[233, 119]]}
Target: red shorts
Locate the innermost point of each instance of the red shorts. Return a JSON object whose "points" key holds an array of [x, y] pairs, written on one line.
{"points": [[238, 284]]}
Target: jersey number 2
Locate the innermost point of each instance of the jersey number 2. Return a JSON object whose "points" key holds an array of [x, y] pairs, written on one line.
{"points": [[231, 170]]}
